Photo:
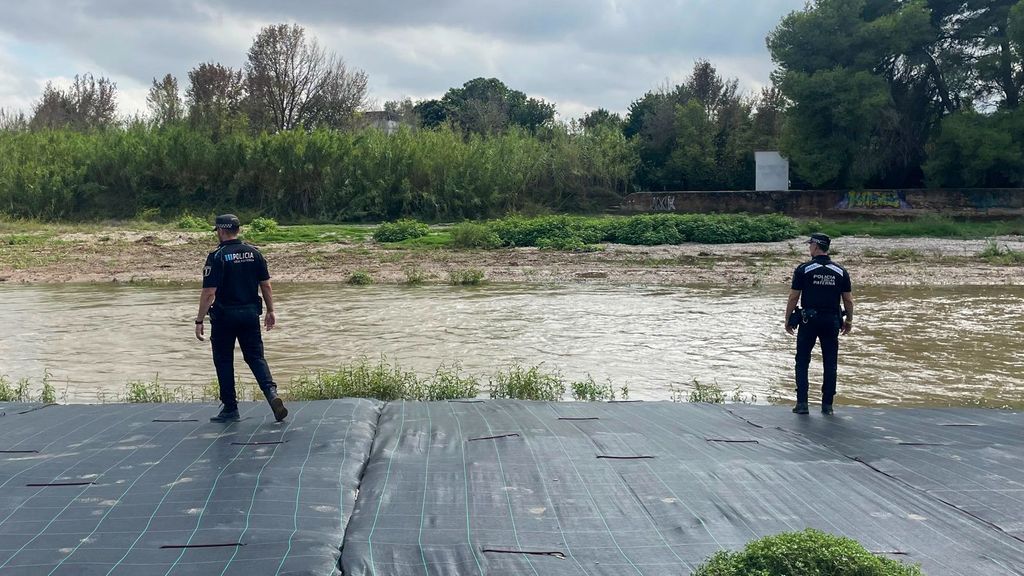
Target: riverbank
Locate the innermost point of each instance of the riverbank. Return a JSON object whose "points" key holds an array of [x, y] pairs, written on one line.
{"points": [[171, 256]]}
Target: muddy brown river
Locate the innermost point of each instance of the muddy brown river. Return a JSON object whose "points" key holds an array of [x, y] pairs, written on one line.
{"points": [[912, 346]]}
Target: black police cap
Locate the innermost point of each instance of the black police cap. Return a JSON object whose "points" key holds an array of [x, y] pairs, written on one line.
{"points": [[821, 240], [227, 221]]}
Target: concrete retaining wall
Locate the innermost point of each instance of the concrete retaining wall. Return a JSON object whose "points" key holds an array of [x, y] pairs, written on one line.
{"points": [[960, 202]]}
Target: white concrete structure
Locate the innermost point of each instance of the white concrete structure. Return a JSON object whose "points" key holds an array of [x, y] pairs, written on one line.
{"points": [[772, 172]]}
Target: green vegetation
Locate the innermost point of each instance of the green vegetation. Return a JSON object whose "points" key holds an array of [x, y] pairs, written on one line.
{"points": [[22, 390], [590, 391], [400, 230], [527, 384], [706, 393], [383, 381], [806, 553], [467, 277], [468, 235], [190, 222], [263, 226], [923, 227], [360, 278], [994, 254]]}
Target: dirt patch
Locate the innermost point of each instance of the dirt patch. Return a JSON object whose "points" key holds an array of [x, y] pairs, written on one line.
{"points": [[148, 256]]}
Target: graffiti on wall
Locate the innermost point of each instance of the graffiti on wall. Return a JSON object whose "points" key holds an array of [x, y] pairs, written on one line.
{"points": [[874, 199], [663, 203]]}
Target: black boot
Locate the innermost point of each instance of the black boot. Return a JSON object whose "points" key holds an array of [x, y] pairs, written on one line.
{"points": [[277, 405], [227, 415], [801, 408], [826, 409]]}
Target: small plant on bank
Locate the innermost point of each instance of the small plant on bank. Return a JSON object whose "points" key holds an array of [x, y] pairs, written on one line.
{"points": [[467, 277], [806, 553], [190, 222], [415, 277], [527, 384], [468, 235], [1005, 256], [589, 391], [360, 278], [449, 383], [143, 392], [400, 230], [706, 393]]}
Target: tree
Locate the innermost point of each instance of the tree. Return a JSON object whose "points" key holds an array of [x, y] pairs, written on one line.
{"points": [[89, 103], [431, 113], [293, 82], [164, 101], [215, 96], [488, 106], [11, 121], [867, 89], [601, 117]]}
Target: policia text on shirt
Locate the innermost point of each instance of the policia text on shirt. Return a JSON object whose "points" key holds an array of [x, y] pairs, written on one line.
{"points": [[818, 286], [234, 276]]}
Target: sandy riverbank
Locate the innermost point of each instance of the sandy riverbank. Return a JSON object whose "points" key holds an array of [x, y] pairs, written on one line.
{"points": [[169, 256]]}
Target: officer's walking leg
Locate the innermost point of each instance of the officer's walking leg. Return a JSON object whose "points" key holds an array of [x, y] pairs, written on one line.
{"points": [[805, 337], [829, 336], [222, 339], [251, 342]]}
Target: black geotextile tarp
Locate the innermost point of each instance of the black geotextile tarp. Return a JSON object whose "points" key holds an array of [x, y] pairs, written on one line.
{"points": [[970, 459], [120, 489], [505, 487]]}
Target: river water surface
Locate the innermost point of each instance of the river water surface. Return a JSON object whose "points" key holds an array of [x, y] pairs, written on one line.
{"points": [[912, 346]]}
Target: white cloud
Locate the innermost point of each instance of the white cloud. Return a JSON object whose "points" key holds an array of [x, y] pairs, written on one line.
{"points": [[580, 54]]}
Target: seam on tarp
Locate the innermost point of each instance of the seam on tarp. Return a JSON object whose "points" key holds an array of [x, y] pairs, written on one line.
{"points": [[898, 480], [359, 483]]}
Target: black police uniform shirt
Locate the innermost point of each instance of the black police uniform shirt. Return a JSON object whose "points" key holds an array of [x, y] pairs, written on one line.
{"points": [[235, 269], [822, 283]]}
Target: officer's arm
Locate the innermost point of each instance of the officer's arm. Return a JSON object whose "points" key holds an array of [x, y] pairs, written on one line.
{"points": [[848, 305], [206, 298], [270, 320], [794, 299]]}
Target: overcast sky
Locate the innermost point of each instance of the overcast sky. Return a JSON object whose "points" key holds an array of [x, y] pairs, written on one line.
{"points": [[579, 54]]}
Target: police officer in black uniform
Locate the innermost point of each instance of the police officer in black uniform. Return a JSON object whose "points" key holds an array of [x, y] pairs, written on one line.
{"points": [[234, 276], [819, 285]]}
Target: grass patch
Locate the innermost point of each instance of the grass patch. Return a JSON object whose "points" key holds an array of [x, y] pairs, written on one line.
{"points": [[1003, 256], [589, 391], [467, 277], [472, 235], [806, 553], [415, 277], [923, 227], [383, 381], [312, 233], [23, 391], [699, 393], [360, 278], [527, 384], [432, 240]]}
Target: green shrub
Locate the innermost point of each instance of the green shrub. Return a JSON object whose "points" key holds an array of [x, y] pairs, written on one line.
{"points": [[472, 235], [415, 276], [706, 393], [994, 254], [527, 384], [449, 383], [520, 231], [590, 391], [360, 278], [190, 222], [142, 392], [263, 226], [467, 277], [360, 379], [807, 553], [400, 230]]}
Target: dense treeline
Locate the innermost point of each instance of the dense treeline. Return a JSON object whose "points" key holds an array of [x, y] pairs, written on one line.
{"points": [[295, 174], [867, 93]]}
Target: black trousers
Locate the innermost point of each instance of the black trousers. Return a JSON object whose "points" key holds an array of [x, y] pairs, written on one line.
{"points": [[242, 324], [824, 328]]}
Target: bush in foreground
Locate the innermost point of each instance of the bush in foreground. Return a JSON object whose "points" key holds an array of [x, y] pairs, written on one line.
{"points": [[807, 553]]}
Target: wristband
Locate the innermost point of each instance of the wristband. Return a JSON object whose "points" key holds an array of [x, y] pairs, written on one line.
{"points": [[198, 322]]}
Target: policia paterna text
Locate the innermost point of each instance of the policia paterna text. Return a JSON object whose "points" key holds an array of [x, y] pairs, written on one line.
{"points": [[818, 285], [231, 277]]}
